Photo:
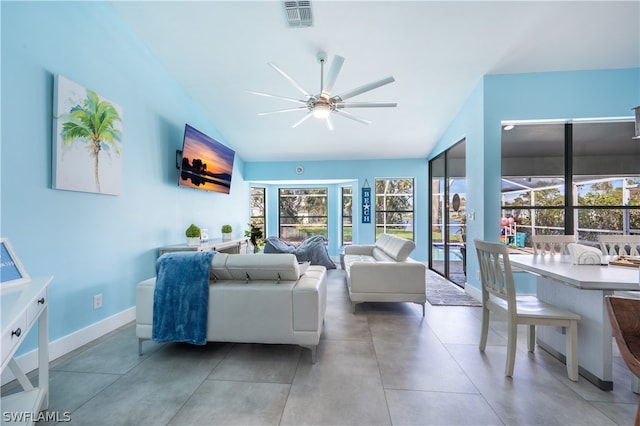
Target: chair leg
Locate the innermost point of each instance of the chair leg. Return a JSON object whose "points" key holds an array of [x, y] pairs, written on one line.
{"points": [[512, 340], [531, 338], [637, 422], [572, 350], [484, 331]]}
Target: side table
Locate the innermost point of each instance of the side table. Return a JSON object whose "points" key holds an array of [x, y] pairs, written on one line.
{"points": [[21, 307]]}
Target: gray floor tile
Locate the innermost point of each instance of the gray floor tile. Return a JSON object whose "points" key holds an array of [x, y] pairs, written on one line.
{"points": [[385, 364], [426, 366], [154, 391], [71, 390], [259, 363], [533, 396], [436, 408], [343, 387], [116, 354], [219, 402], [350, 327]]}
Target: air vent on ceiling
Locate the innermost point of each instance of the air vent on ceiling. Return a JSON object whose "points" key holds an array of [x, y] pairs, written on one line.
{"points": [[298, 13]]}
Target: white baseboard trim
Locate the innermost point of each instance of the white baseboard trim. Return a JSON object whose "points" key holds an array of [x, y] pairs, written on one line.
{"points": [[62, 346], [473, 292]]}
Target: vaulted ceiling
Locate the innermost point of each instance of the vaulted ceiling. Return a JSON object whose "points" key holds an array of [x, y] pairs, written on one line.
{"points": [[437, 51]]}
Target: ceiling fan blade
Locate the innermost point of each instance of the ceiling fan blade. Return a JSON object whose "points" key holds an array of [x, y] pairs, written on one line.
{"points": [[329, 123], [277, 97], [332, 76], [291, 80], [359, 90], [352, 116], [282, 110], [306, 117], [366, 104]]}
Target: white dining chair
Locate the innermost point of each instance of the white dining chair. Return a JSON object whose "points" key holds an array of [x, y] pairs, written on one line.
{"points": [[498, 295], [552, 244], [616, 245]]}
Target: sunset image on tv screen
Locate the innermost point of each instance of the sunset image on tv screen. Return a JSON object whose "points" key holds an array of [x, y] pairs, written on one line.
{"points": [[206, 163]]}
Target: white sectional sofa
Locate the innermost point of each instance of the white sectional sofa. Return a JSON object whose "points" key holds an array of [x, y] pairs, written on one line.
{"points": [[254, 298], [384, 272]]}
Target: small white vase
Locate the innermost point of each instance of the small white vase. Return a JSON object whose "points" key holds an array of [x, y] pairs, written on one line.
{"points": [[226, 236], [193, 241]]}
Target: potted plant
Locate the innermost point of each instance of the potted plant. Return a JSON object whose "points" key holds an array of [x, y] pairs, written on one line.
{"points": [[226, 232], [193, 235], [255, 236]]}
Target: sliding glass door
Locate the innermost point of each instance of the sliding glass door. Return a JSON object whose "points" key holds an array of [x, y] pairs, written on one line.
{"points": [[447, 236]]}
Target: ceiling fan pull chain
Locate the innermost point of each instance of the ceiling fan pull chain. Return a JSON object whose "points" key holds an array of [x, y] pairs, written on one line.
{"points": [[321, 75]]}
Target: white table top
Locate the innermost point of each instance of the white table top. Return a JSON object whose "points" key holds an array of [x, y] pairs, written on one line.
{"points": [[588, 277]]}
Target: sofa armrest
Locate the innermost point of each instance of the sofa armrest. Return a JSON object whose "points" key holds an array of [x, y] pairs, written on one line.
{"points": [[388, 277], [310, 299], [144, 301], [362, 249]]}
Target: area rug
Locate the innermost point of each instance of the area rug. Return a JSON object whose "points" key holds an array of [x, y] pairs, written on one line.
{"points": [[441, 292]]}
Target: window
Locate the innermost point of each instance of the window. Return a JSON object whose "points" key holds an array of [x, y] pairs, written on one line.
{"points": [[303, 213], [347, 215], [394, 207], [606, 174], [571, 178], [258, 211]]}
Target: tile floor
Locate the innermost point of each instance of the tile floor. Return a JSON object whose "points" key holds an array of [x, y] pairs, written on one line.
{"points": [[384, 365]]}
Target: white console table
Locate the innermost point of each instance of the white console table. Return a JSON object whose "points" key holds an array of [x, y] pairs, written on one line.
{"points": [[239, 245], [21, 307]]}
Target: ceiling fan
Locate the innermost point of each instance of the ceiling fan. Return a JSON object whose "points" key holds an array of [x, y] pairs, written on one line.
{"points": [[324, 104]]}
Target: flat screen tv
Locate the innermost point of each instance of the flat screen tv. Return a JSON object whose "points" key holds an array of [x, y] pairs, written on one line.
{"points": [[206, 163]]}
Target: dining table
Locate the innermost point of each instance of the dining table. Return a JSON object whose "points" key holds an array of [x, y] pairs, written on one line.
{"points": [[581, 289]]}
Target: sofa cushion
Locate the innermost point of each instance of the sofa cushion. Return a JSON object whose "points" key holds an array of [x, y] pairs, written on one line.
{"points": [[397, 248], [253, 267], [380, 255]]}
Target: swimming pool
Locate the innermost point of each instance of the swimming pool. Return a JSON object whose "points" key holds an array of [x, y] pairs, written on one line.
{"points": [[437, 252]]}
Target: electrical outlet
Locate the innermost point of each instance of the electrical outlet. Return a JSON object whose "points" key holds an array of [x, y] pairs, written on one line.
{"points": [[478, 275], [97, 301]]}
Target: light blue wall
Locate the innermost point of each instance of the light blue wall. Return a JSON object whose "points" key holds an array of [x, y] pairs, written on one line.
{"points": [[557, 95], [468, 125], [356, 172], [95, 243]]}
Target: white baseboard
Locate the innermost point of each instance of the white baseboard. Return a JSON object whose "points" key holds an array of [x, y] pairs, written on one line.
{"points": [[62, 346], [473, 292]]}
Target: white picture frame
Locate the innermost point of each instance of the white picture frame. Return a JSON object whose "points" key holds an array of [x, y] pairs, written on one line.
{"points": [[12, 272]]}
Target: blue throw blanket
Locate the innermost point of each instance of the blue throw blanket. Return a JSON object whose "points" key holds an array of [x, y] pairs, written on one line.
{"points": [[181, 297]]}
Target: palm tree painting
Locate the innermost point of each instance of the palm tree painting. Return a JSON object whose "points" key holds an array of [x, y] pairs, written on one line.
{"points": [[87, 145]]}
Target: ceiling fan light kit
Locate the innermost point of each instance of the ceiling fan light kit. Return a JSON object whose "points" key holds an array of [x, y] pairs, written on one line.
{"points": [[322, 105]]}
